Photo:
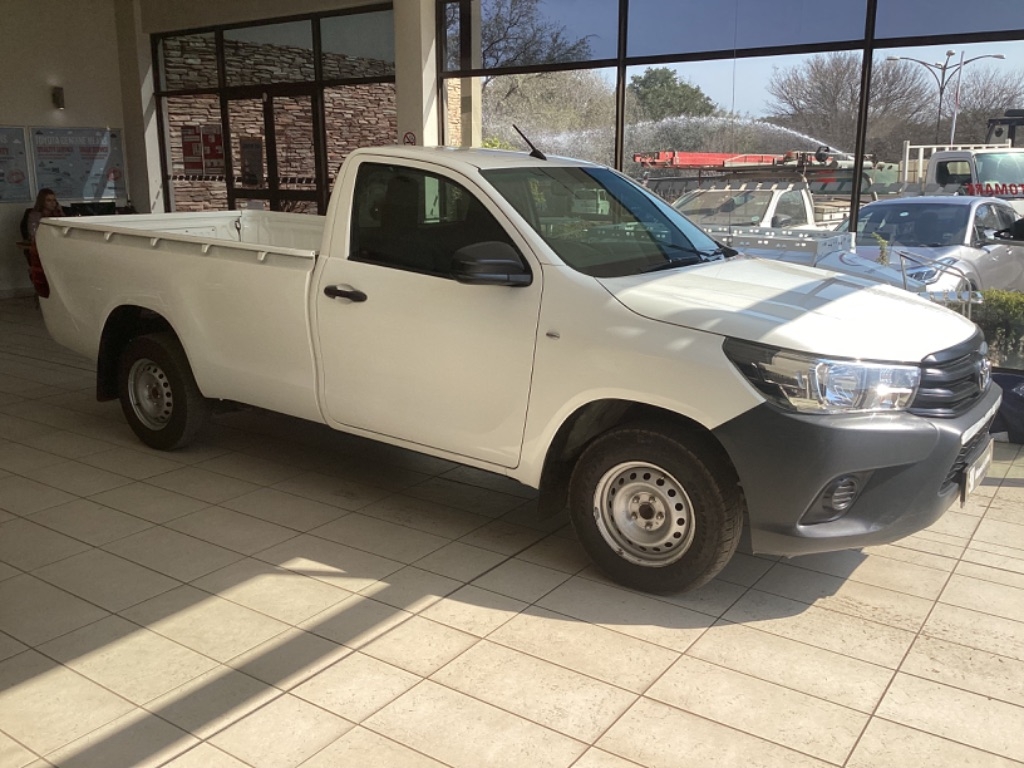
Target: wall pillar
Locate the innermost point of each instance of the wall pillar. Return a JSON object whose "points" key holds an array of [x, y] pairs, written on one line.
{"points": [[416, 72], [138, 104]]}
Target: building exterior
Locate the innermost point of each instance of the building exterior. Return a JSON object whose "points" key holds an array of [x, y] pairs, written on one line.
{"points": [[225, 104]]}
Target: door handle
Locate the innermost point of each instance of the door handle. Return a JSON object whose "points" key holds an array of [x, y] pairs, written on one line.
{"points": [[337, 292]]}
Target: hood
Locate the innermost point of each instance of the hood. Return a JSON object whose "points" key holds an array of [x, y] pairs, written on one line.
{"points": [[796, 307]]}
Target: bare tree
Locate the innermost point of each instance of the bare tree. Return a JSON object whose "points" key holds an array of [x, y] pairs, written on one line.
{"points": [[821, 96], [547, 104], [515, 33], [986, 91], [818, 97]]}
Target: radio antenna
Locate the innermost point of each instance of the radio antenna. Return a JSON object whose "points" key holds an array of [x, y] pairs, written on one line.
{"points": [[534, 152]]}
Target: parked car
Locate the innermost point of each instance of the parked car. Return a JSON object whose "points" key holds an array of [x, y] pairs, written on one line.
{"points": [[944, 241]]}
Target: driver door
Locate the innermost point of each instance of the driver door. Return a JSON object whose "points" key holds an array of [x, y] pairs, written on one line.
{"points": [[407, 352]]}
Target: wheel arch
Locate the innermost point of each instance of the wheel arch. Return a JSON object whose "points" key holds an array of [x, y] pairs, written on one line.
{"points": [[593, 419], [122, 325]]}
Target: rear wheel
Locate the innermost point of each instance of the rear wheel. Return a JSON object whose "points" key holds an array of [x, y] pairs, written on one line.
{"points": [[158, 393], [654, 511]]}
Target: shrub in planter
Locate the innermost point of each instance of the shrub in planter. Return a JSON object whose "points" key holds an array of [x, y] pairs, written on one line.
{"points": [[1001, 319]]}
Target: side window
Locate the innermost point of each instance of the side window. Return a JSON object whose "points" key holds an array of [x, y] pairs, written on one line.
{"points": [[791, 206], [410, 219], [1006, 216], [953, 172], [986, 219]]}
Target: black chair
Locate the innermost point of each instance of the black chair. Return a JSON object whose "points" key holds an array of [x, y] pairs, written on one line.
{"points": [[25, 234]]}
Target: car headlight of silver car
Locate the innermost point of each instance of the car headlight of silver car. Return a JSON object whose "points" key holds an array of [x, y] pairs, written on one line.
{"points": [[929, 273], [810, 384]]}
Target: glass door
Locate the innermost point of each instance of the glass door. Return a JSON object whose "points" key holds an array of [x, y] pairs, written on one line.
{"points": [[274, 152]]}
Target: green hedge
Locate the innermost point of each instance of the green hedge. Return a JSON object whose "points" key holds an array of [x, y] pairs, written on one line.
{"points": [[1001, 318]]}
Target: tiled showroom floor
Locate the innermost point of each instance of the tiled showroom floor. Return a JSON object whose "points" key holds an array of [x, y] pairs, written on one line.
{"points": [[281, 595]]}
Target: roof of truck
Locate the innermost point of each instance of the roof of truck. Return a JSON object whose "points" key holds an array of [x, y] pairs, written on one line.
{"points": [[483, 159], [957, 200]]}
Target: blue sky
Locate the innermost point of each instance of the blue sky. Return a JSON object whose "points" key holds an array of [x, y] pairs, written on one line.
{"points": [[658, 27], [740, 85]]}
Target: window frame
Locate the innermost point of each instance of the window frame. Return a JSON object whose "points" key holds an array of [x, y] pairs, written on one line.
{"points": [[428, 217]]}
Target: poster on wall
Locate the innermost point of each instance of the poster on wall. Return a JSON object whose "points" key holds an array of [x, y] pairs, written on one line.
{"points": [[79, 163], [14, 181], [202, 149]]}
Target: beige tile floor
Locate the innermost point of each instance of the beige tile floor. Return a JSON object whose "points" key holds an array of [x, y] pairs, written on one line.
{"points": [[279, 595]]}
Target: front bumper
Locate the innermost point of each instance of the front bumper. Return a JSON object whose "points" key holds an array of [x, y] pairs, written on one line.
{"points": [[911, 469]]}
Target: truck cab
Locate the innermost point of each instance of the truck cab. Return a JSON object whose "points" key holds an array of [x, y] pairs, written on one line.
{"points": [[750, 205], [985, 170], [1005, 128]]}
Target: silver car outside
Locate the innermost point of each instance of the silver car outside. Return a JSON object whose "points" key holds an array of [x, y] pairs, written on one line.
{"points": [[944, 241]]}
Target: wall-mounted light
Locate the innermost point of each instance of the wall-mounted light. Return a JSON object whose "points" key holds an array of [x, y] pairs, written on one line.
{"points": [[58, 97]]}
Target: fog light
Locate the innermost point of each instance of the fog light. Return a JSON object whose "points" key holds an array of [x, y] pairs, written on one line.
{"points": [[841, 494], [836, 499]]}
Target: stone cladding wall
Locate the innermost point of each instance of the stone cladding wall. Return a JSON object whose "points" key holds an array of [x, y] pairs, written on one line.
{"points": [[355, 115]]}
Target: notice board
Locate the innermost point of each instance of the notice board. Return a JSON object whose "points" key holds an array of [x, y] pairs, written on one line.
{"points": [[79, 163], [202, 149], [15, 186]]}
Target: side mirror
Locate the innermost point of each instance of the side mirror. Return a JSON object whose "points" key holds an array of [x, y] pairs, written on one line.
{"points": [[490, 263], [988, 235]]}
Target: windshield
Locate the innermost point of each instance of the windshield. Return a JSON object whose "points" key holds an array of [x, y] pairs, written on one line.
{"points": [[601, 223], [912, 225], [1000, 167], [716, 206]]}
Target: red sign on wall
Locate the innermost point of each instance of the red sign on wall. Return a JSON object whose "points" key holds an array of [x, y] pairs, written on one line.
{"points": [[213, 149], [202, 149]]}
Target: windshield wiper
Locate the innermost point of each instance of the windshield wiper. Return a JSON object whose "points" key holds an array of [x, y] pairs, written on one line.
{"points": [[684, 261]]}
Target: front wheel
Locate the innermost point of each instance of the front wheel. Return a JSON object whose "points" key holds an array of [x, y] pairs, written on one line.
{"points": [[159, 395], [654, 511]]}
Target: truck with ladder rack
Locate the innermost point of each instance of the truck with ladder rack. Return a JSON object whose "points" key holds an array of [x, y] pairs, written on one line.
{"points": [[794, 190]]}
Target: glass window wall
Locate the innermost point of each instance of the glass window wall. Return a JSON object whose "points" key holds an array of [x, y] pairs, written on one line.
{"points": [[358, 116], [695, 26], [289, 124], [563, 113], [196, 162], [358, 45], [743, 140], [188, 62], [271, 53], [525, 33], [918, 18]]}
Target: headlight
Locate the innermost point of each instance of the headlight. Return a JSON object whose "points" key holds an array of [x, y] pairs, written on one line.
{"points": [[926, 273], [809, 384]]}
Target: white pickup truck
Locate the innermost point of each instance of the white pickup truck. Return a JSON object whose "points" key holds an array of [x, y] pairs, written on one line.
{"points": [[983, 170], [453, 302], [778, 205]]}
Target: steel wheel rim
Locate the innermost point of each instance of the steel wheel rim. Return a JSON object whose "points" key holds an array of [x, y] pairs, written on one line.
{"points": [[644, 514], [150, 393]]}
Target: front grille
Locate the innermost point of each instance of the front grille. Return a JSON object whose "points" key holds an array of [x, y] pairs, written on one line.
{"points": [[953, 380]]}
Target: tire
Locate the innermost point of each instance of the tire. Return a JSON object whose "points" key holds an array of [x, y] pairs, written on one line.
{"points": [[654, 513], [158, 393]]}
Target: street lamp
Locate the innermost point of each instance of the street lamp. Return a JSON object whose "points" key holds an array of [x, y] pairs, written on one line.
{"points": [[943, 74]]}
